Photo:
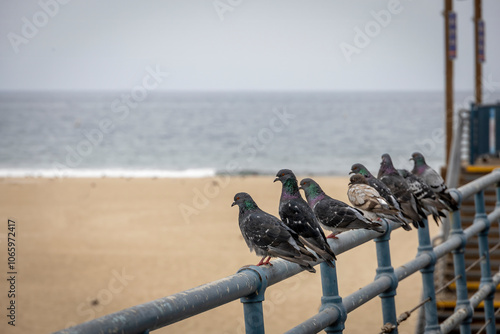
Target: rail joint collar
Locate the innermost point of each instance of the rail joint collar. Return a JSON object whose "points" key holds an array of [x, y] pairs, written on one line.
{"points": [[388, 272], [335, 302], [457, 196], [258, 295]]}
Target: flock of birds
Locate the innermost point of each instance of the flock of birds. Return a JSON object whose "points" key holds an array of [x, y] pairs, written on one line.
{"points": [[395, 194]]}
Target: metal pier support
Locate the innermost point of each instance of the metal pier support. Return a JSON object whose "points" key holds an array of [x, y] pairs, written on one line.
{"points": [[463, 301], [430, 308], [331, 298], [489, 310], [252, 304], [385, 269]]}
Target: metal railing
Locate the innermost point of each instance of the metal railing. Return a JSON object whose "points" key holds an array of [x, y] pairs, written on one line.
{"points": [[249, 283]]}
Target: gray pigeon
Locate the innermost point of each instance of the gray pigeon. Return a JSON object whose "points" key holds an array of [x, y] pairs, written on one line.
{"points": [[427, 199], [335, 215], [433, 179], [297, 215], [367, 199], [398, 186], [268, 236]]}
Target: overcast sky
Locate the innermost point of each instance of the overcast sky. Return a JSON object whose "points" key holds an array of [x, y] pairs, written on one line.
{"points": [[239, 44]]}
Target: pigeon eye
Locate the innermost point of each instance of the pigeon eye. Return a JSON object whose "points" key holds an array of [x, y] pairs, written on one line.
{"points": [[237, 198]]}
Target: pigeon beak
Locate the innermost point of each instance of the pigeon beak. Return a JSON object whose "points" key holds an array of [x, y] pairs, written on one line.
{"points": [[300, 187], [276, 179], [411, 159], [351, 172], [234, 203]]}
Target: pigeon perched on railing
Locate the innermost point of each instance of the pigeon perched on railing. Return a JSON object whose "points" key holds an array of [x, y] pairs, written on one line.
{"points": [[367, 199], [424, 195], [335, 215], [398, 186], [433, 179], [383, 190], [297, 215], [268, 236], [378, 185]]}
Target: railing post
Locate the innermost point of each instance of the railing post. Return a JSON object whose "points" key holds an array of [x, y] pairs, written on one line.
{"points": [[331, 298], [430, 308], [385, 269], [459, 267], [252, 304], [484, 250]]}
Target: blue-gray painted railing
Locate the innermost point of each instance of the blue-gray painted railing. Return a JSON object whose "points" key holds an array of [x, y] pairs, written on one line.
{"points": [[250, 283]]}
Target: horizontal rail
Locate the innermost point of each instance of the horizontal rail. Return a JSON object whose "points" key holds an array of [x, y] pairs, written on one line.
{"points": [[462, 313], [479, 184], [182, 305], [325, 317], [321, 320], [165, 311], [317, 323], [454, 242]]}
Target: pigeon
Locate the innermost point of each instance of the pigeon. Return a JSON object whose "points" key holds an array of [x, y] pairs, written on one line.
{"points": [[398, 186], [268, 236], [378, 185], [335, 215], [297, 215], [383, 190], [427, 199], [433, 179], [367, 199]]}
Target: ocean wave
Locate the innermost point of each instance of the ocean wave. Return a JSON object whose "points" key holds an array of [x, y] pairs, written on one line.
{"points": [[109, 173]]}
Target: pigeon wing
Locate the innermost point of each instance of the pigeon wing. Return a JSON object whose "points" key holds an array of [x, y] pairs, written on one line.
{"points": [[261, 230], [298, 216], [434, 180], [333, 213], [384, 191]]}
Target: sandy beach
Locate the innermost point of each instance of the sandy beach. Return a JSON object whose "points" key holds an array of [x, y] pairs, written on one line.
{"points": [[89, 247]]}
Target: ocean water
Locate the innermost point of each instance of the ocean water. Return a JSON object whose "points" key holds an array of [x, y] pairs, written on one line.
{"points": [[181, 134]]}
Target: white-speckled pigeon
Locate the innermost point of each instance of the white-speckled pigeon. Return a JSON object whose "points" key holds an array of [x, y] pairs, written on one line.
{"points": [[424, 195], [268, 236], [433, 179], [297, 215], [398, 186]]}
